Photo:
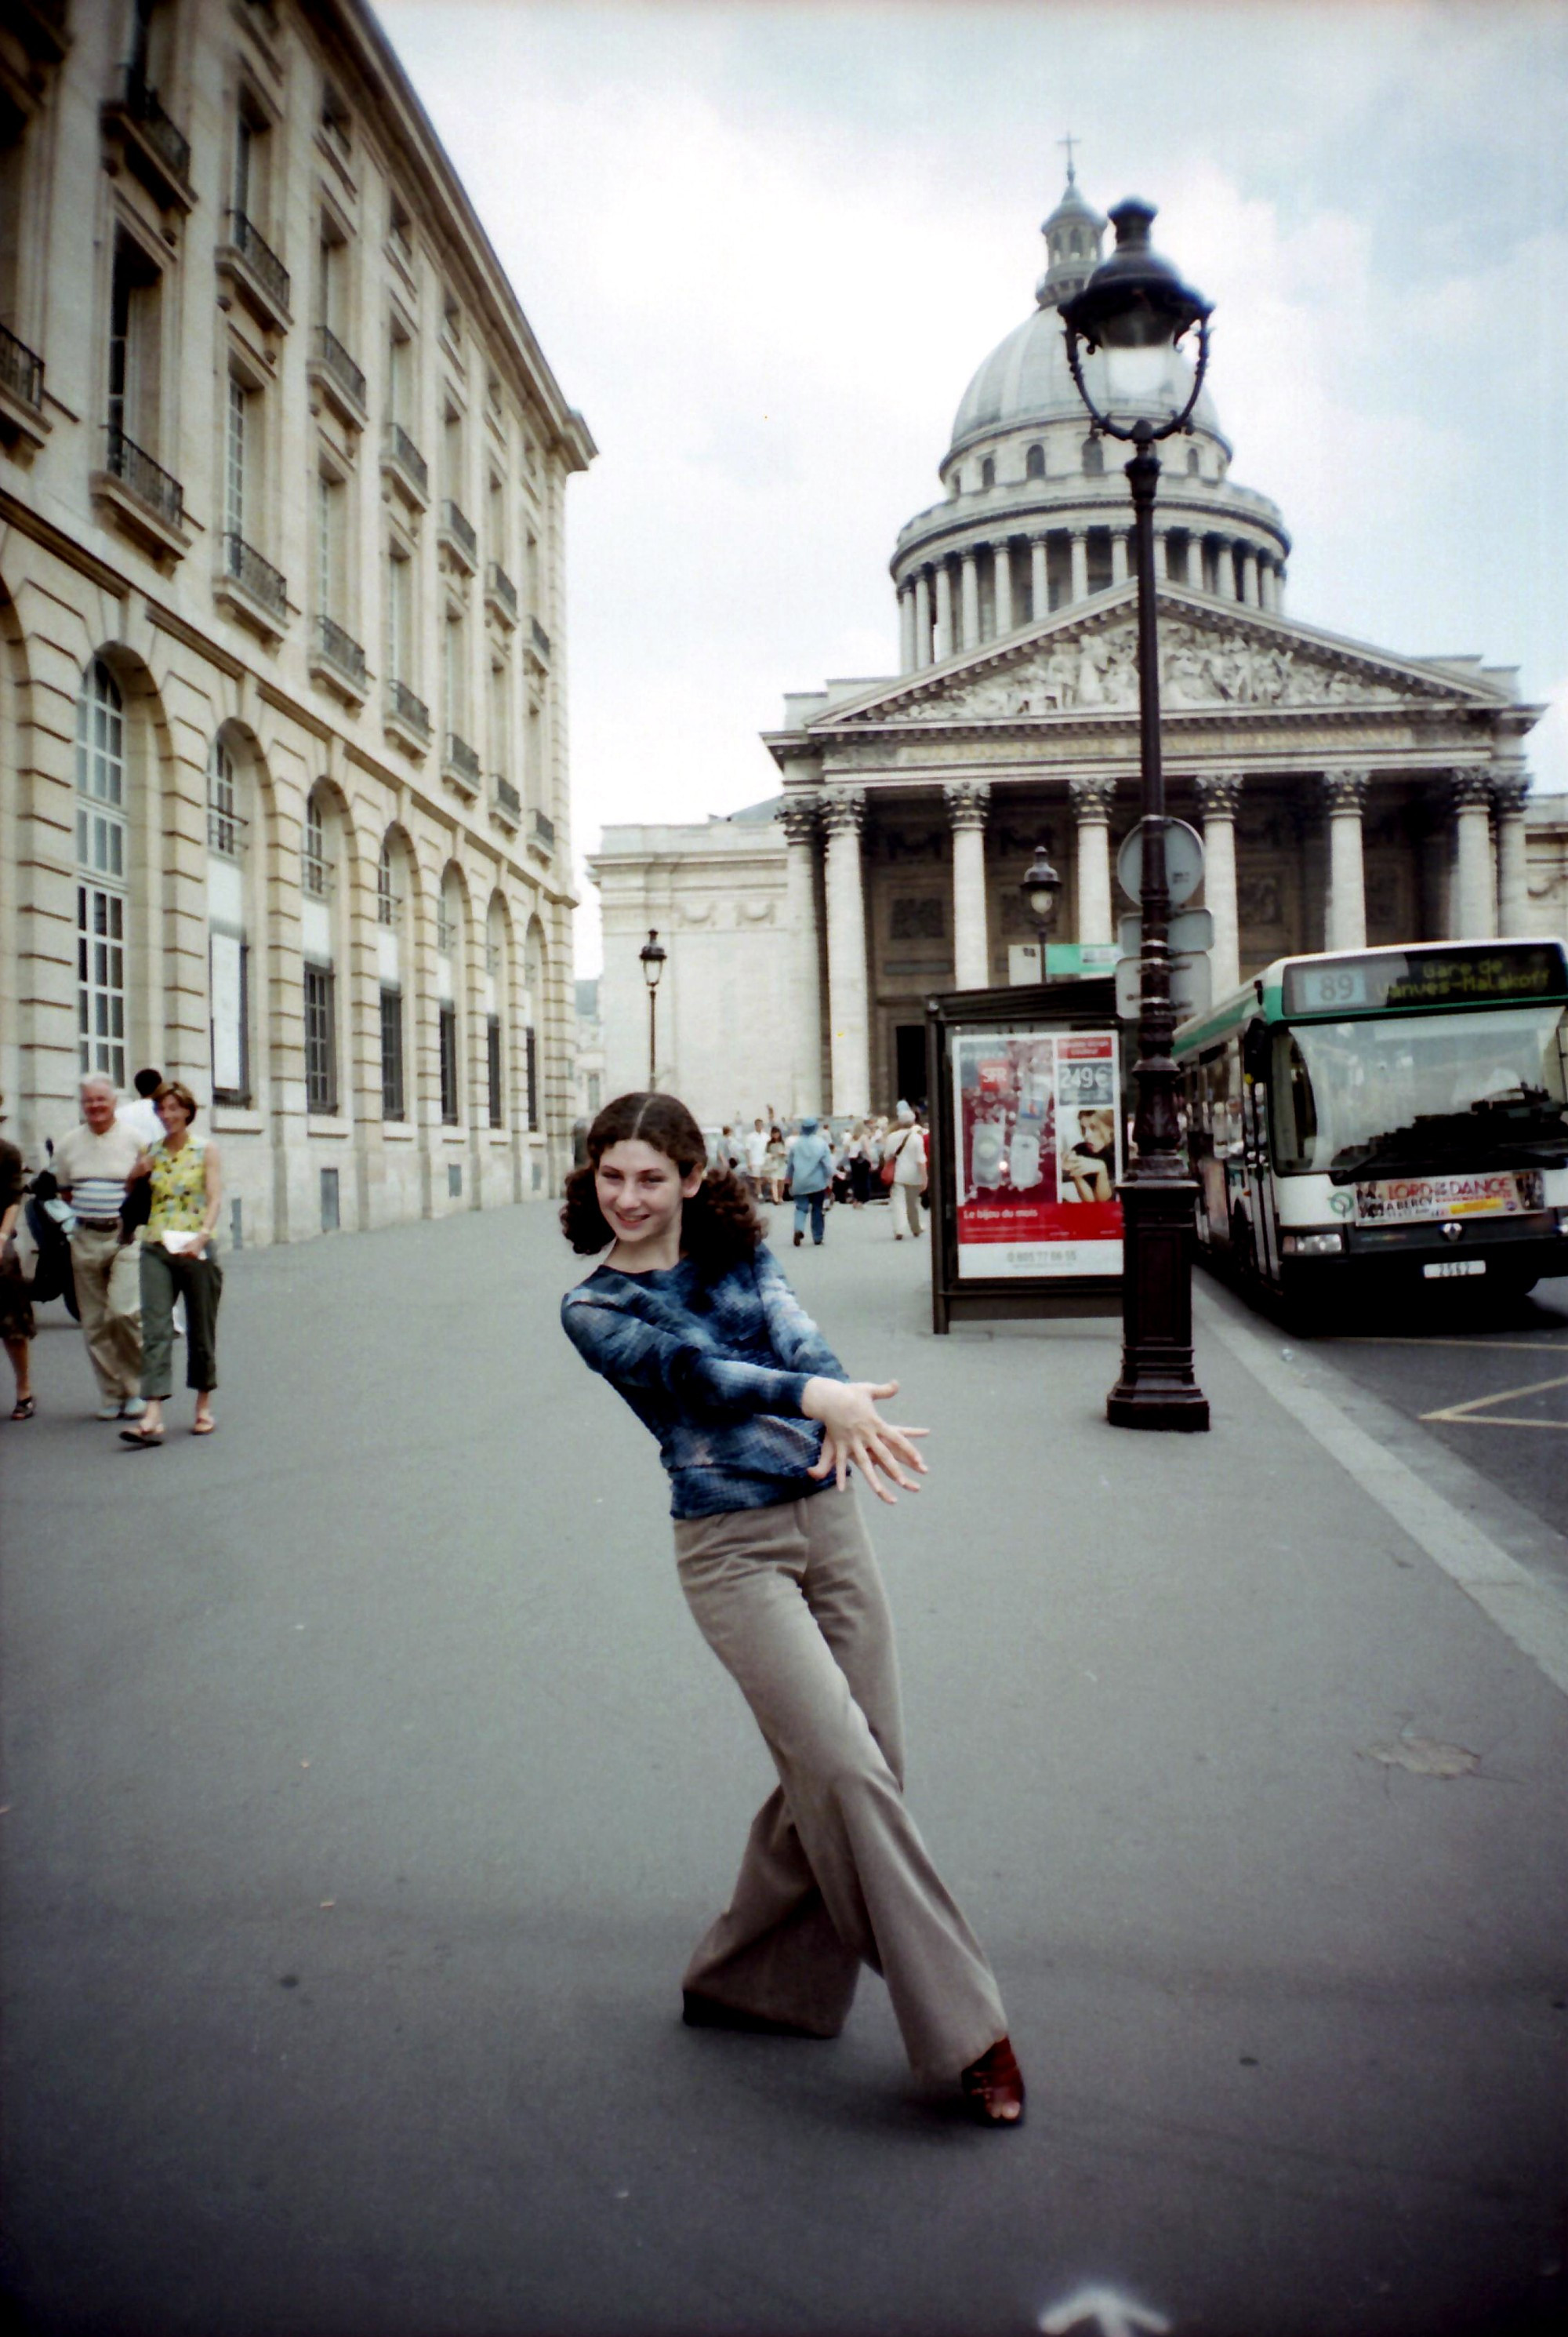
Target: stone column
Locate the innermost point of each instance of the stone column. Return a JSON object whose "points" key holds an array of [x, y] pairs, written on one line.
{"points": [[966, 807], [1002, 565], [1474, 915], [1118, 556], [906, 629], [1345, 800], [923, 618], [1510, 788], [1161, 556], [1091, 799], [1218, 801], [1250, 576], [1040, 581], [849, 1009], [1225, 569], [969, 597], [1079, 539], [944, 643], [800, 819]]}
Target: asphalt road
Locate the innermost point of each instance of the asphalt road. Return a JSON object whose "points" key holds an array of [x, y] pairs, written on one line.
{"points": [[1484, 1377], [366, 1784]]}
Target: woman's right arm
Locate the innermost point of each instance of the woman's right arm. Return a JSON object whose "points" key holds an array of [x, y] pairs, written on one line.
{"points": [[633, 1354]]}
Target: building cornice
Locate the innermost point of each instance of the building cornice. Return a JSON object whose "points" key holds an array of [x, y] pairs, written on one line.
{"points": [[388, 94]]}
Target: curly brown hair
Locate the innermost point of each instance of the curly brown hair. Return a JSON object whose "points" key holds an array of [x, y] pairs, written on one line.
{"points": [[718, 1226]]}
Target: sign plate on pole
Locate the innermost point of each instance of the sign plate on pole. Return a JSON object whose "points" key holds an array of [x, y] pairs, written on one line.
{"points": [[1191, 988], [1183, 861], [1190, 931]]}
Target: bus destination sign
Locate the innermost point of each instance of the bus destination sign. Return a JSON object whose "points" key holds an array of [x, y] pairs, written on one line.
{"points": [[1510, 973]]}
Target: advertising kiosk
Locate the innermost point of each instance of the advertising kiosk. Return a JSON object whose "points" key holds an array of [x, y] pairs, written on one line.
{"points": [[1028, 1134]]}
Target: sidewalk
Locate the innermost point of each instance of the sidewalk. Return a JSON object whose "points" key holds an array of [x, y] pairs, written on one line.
{"points": [[368, 1783]]}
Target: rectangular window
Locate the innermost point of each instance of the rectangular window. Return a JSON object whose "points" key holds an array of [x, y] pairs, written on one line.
{"points": [[320, 1039], [530, 1072], [134, 347], [234, 459], [100, 982], [454, 673], [399, 617], [392, 1104], [228, 980], [448, 1036], [493, 1069]]}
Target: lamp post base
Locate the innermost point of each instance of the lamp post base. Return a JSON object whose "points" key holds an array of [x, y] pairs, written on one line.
{"points": [[1157, 1388]]}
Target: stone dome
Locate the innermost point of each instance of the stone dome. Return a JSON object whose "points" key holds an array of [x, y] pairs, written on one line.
{"points": [[1026, 380]]}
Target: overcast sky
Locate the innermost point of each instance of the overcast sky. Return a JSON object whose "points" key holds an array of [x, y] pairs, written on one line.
{"points": [[764, 247]]}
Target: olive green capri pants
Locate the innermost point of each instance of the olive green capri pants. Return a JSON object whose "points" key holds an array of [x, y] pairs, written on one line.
{"points": [[200, 1282], [835, 1874]]}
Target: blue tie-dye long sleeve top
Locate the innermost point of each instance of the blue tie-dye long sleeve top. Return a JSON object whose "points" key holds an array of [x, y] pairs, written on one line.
{"points": [[716, 1370]]}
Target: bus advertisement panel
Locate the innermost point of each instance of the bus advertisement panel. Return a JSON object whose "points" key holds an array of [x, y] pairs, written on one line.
{"points": [[1038, 1152]]}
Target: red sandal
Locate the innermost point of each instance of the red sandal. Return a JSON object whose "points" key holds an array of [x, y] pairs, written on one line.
{"points": [[993, 2087]]}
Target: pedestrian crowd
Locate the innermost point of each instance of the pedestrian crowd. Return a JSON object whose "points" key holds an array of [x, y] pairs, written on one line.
{"points": [[814, 1164], [123, 1224]]}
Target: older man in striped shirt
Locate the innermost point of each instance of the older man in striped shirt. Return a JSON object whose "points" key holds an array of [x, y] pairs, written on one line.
{"points": [[92, 1165]]}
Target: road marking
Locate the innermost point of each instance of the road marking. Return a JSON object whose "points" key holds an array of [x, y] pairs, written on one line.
{"points": [[1478, 1412], [1531, 1615], [1113, 2315]]}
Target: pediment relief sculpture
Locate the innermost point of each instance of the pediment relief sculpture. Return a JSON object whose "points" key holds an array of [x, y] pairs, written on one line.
{"points": [[1094, 669]]}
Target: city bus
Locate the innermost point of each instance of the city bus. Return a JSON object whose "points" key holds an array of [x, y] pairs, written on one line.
{"points": [[1385, 1119]]}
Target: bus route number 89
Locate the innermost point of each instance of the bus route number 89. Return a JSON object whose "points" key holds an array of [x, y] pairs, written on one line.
{"points": [[1342, 985]]}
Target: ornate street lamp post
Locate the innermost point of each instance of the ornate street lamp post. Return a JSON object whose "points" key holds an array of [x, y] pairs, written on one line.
{"points": [[1133, 311], [652, 956]]}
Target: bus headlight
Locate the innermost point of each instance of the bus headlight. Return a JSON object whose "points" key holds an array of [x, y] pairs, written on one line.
{"points": [[1326, 1245]]}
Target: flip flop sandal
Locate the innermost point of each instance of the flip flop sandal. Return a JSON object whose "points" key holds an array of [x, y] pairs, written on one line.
{"points": [[26, 1406], [141, 1439]]}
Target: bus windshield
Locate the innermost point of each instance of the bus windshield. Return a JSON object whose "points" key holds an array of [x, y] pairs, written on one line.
{"points": [[1422, 1094]]}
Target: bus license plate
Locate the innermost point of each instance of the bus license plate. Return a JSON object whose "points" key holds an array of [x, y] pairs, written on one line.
{"points": [[1444, 1267]]}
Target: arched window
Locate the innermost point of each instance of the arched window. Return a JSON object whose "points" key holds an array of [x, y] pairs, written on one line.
{"points": [[954, 483], [1094, 459], [1034, 463], [102, 874], [988, 472], [228, 937], [532, 1013], [389, 908], [319, 875], [1194, 464], [448, 988], [495, 991]]}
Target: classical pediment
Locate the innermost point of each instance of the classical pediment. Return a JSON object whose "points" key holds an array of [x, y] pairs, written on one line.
{"points": [[1213, 657]]}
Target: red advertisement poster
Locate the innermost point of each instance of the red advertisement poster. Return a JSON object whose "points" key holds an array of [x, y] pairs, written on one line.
{"points": [[1038, 1152]]}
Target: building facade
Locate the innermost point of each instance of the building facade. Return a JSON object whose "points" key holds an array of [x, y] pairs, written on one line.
{"points": [[1345, 794], [283, 747]]}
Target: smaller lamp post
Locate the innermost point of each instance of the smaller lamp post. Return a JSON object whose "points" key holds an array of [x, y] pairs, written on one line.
{"points": [[1040, 886], [652, 956]]}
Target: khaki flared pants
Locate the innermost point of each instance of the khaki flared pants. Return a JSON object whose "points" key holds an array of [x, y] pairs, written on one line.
{"points": [[835, 1874]]}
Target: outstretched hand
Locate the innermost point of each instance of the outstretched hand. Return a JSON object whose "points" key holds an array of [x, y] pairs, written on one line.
{"points": [[856, 1434]]}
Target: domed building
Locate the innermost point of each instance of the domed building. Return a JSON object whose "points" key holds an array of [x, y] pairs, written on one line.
{"points": [[1346, 794]]}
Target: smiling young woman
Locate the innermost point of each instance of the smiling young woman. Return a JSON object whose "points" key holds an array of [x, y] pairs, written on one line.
{"points": [[690, 1319]]}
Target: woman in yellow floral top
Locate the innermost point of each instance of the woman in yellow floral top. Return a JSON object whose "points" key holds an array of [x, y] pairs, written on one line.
{"points": [[177, 1261]]}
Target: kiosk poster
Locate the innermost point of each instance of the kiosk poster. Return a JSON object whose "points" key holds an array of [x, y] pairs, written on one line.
{"points": [[1037, 1148]]}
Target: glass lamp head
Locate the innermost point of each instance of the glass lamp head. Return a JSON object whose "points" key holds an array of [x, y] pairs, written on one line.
{"points": [[1040, 887], [1135, 308], [652, 956]]}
